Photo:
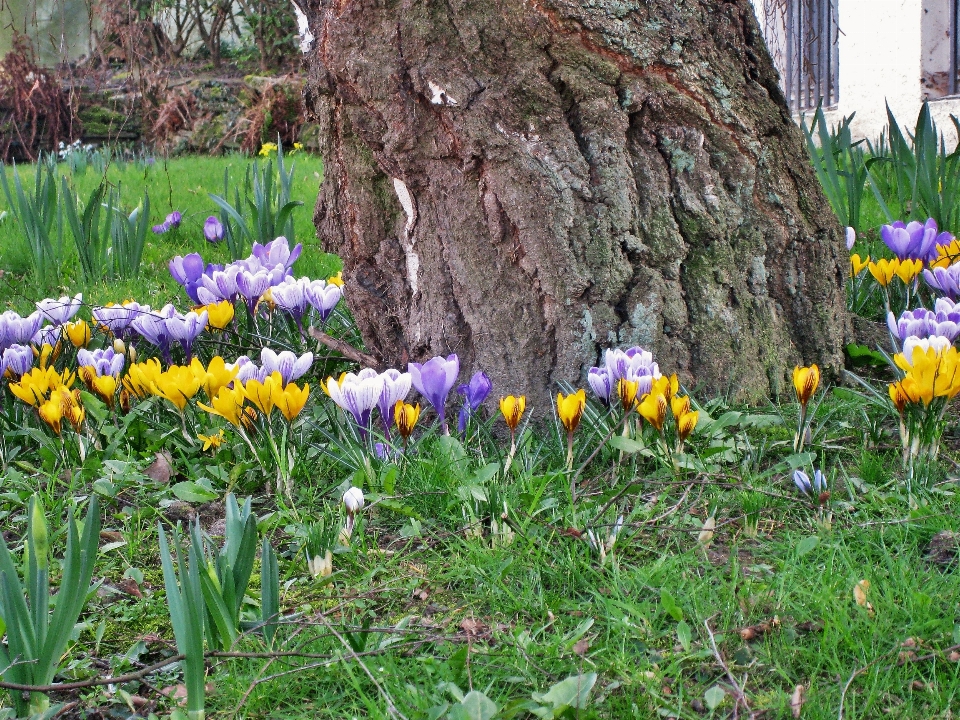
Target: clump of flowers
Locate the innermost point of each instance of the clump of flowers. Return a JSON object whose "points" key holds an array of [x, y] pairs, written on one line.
{"points": [[172, 221]]}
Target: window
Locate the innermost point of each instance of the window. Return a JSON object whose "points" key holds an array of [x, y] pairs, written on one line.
{"points": [[939, 38], [802, 36]]}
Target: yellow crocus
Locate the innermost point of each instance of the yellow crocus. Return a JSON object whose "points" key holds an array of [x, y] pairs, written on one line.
{"points": [[105, 386], [908, 270], [570, 409], [292, 400], [215, 376], [51, 412], [45, 353], [264, 395], [680, 406], [805, 382], [857, 265], [686, 423], [512, 408], [406, 416], [176, 385], [947, 255], [898, 396], [228, 404], [884, 270], [627, 392], [141, 377], [653, 408], [220, 314], [336, 279], [933, 374], [79, 333]]}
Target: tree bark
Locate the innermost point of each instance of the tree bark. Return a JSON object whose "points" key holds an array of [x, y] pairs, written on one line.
{"points": [[527, 182]]}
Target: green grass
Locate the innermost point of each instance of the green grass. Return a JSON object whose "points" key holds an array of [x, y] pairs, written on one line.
{"points": [[178, 184], [431, 604]]}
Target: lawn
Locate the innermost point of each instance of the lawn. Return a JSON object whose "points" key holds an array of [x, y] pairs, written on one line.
{"points": [[688, 578]]}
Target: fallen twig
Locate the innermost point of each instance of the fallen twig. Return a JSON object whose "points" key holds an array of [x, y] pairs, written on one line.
{"points": [[344, 348]]}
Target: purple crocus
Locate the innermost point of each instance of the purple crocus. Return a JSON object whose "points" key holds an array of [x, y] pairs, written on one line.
{"points": [[925, 323], [213, 229], [851, 237], [151, 325], [291, 297], [188, 268], [396, 387], [103, 361], [48, 335], [632, 364], [474, 393], [323, 297], [286, 363], [357, 394], [914, 241], [17, 359], [171, 221], [220, 284], [601, 383], [61, 310], [252, 286], [277, 252], [802, 481], [116, 318], [945, 280], [184, 329], [19, 330], [434, 379]]}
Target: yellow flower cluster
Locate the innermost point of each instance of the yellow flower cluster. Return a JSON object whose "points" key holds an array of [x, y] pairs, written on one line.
{"points": [[49, 392], [930, 374]]}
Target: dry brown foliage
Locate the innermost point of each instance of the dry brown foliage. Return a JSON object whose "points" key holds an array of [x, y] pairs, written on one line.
{"points": [[36, 113]]}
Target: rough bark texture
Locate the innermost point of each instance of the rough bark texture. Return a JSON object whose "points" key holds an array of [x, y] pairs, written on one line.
{"points": [[527, 182]]}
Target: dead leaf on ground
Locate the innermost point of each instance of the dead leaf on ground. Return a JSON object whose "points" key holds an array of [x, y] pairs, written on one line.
{"points": [[797, 700], [161, 469], [581, 647], [706, 534], [472, 627], [752, 632], [860, 591], [130, 587]]}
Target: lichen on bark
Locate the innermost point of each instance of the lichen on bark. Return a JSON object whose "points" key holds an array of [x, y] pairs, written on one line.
{"points": [[576, 177]]}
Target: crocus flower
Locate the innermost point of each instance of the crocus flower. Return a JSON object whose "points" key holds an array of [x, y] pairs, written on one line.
{"points": [[213, 229], [946, 280], [914, 241], [654, 409], [219, 314], [186, 269], [116, 319], [252, 285], [286, 363], [474, 393], [105, 361], [228, 404], [434, 379], [601, 383], [396, 387], [47, 336], [925, 323], [78, 332], [292, 400], [802, 481], [805, 382], [323, 297], [16, 329], [357, 394], [151, 325], [17, 360], [352, 503], [171, 221], [570, 410], [405, 416], [60, 311], [857, 265], [184, 329], [851, 237], [291, 297], [512, 408], [913, 344], [634, 364], [627, 391], [218, 284], [277, 252]]}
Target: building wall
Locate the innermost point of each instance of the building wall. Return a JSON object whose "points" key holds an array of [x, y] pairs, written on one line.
{"points": [[890, 50]]}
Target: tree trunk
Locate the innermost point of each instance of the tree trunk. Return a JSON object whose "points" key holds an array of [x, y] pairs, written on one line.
{"points": [[527, 182]]}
